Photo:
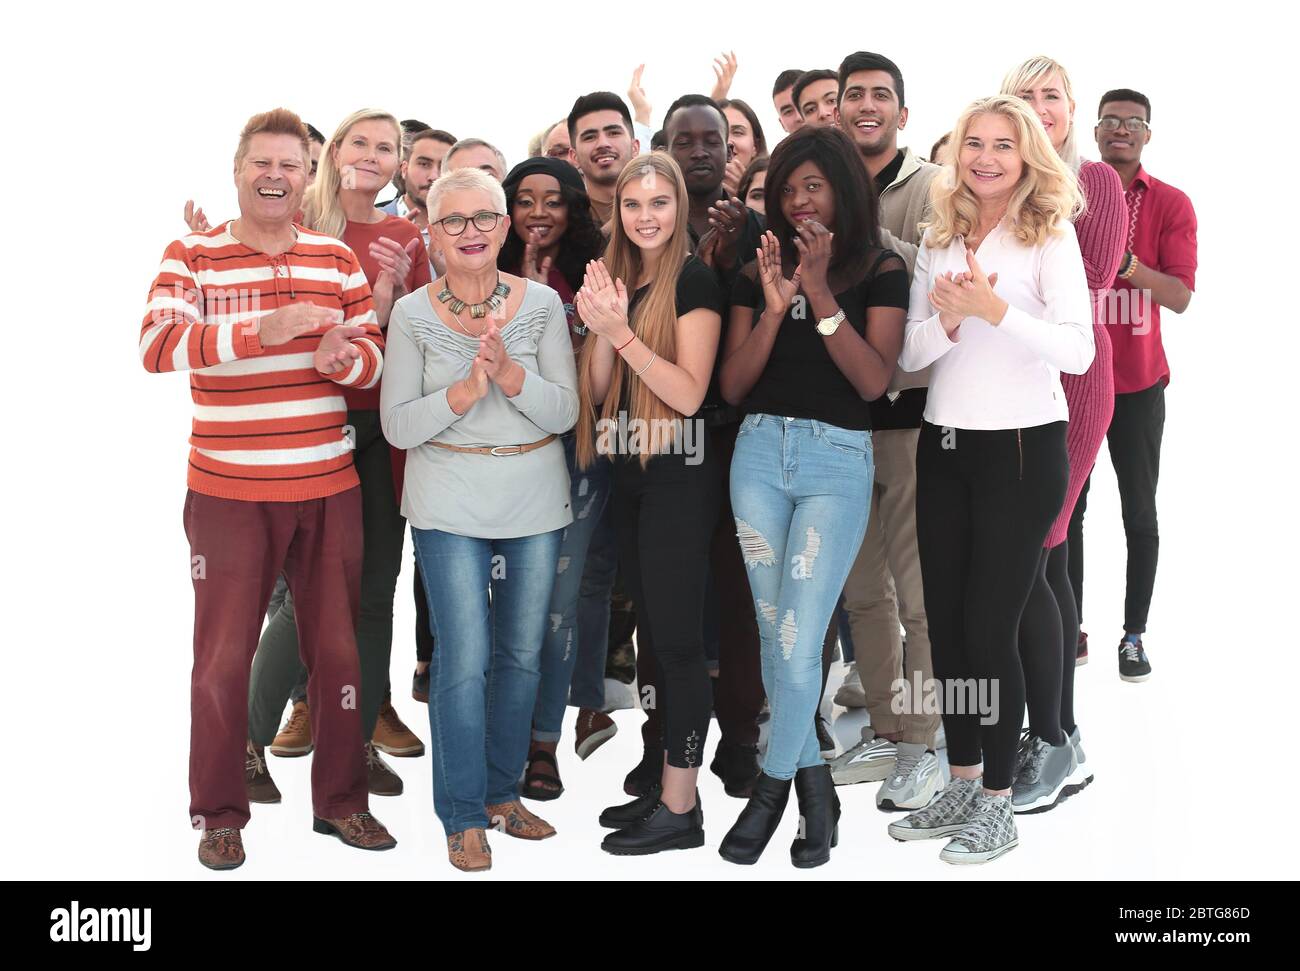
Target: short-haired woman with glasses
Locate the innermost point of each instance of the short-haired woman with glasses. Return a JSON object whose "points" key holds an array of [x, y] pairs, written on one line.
{"points": [[479, 384]]}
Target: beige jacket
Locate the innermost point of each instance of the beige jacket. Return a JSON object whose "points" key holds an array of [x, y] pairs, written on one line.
{"points": [[904, 205]]}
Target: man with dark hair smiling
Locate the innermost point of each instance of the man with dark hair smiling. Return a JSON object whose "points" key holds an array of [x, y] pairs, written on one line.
{"points": [[421, 165], [884, 584], [783, 100], [602, 142], [816, 97], [1158, 270]]}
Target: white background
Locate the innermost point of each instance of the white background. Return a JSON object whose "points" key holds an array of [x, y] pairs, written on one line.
{"points": [[117, 114]]}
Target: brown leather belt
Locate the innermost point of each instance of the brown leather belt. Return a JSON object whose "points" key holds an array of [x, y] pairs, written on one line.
{"points": [[496, 449]]}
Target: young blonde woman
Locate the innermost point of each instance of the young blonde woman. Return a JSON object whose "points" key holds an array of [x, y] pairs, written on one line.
{"points": [[655, 312], [1000, 307], [357, 164], [1049, 628]]}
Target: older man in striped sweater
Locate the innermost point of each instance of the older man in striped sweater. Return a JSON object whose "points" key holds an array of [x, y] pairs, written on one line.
{"points": [[272, 322]]}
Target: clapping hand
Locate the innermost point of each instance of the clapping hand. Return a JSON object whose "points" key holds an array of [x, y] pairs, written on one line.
{"points": [[814, 243], [336, 350], [778, 292], [602, 301], [960, 295], [538, 272]]}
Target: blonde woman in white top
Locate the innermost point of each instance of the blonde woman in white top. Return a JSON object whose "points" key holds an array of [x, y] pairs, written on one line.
{"points": [[999, 307]]}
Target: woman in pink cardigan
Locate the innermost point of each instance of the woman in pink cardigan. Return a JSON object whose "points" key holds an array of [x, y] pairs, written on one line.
{"points": [[1051, 615]]}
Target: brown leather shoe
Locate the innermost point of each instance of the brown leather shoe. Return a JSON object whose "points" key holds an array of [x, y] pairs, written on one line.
{"points": [[381, 780], [221, 849], [295, 737], [514, 820], [258, 784], [361, 830], [392, 737], [469, 851]]}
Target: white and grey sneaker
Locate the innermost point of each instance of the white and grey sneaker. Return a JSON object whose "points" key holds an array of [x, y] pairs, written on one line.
{"points": [[948, 814], [851, 694], [990, 832], [1082, 775], [871, 760], [914, 781], [1041, 781]]}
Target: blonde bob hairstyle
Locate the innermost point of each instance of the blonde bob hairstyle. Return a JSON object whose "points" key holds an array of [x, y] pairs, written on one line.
{"points": [[322, 210], [1033, 73], [464, 180], [654, 320], [1046, 197]]}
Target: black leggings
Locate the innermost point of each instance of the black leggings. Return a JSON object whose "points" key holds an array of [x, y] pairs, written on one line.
{"points": [[665, 515], [985, 501], [1048, 644]]}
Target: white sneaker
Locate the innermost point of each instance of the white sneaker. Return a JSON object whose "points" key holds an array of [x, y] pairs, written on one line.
{"points": [[914, 781], [989, 834], [871, 760], [851, 693]]}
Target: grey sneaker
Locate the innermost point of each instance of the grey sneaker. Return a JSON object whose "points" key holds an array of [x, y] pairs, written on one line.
{"points": [[871, 760], [1082, 775], [914, 781], [947, 815], [851, 694], [1040, 785], [990, 832]]}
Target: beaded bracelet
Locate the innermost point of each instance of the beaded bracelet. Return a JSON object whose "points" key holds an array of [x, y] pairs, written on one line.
{"points": [[1130, 266]]}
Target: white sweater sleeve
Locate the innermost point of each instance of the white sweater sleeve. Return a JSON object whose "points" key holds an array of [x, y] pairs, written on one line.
{"points": [[1064, 337], [925, 340]]}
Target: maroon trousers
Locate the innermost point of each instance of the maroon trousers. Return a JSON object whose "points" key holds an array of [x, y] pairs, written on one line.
{"points": [[237, 549]]}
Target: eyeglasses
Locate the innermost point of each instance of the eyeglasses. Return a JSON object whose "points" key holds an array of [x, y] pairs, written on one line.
{"points": [[1111, 123], [484, 222]]}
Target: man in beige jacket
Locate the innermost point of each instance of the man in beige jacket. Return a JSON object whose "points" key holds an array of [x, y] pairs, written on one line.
{"points": [[884, 585]]}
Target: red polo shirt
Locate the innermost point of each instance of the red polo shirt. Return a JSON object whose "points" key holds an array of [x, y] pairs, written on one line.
{"points": [[1162, 235]]}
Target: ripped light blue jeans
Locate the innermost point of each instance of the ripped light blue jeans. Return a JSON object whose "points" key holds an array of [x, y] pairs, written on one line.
{"points": [[588, 495], [801, 492]]}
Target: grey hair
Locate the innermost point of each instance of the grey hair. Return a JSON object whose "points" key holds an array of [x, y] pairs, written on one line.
{"points": [[464, 180], [467, 143]]}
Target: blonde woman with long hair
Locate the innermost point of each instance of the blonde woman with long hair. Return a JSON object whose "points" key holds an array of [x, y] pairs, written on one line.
{"points": [[655, 311], [1000, 307], [1050, 639], [356, 164]]}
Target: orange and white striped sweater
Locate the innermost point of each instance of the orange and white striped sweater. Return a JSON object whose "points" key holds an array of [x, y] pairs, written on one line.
{"points": [[268, 427]]}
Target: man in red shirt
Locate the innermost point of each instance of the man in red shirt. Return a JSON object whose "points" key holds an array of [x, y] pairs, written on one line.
{"points": [[1158, 270]]}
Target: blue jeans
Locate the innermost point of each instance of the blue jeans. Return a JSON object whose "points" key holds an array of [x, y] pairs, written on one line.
{"points": [[588, 495], [801, 492], [488, 602]]}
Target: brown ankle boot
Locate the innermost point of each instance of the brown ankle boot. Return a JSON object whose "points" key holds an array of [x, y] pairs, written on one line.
{"points": [[469, 851], [360, 830], [221, 849], [514, 820], [258, 784]]}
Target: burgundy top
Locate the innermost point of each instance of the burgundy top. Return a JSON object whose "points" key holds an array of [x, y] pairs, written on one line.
{"points": [[1162, 235]]}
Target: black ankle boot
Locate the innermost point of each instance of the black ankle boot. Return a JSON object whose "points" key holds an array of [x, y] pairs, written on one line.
{"points": [[737, 767], [661, 829], [819, 809], [747, 839]]}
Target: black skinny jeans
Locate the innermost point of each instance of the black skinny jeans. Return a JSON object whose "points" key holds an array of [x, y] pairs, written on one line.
{"points": [[1048, 644], [984, 503], [665, 516], [1136, 432]]}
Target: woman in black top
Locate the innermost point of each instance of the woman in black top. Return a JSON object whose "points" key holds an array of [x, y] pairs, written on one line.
{"points": [[641, 383], [805, 352]]}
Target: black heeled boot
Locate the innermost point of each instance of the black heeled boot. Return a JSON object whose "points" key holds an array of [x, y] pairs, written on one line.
{"points": [[819, 811], [747, 839]]}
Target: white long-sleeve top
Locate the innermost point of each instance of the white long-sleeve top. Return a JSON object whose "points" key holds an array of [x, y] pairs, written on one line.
{"points": [[1008, 376]]}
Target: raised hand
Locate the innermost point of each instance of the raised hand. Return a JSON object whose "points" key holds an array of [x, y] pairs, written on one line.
{"points": [[336, 350], [395, 260], [641, 110], [724, 70], [731, 177], [195, 219], [778, 292], [292, 321]]}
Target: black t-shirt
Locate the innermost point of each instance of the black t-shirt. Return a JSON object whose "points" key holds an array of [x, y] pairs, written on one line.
{"points": [[800, 379], [697, 288]]}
